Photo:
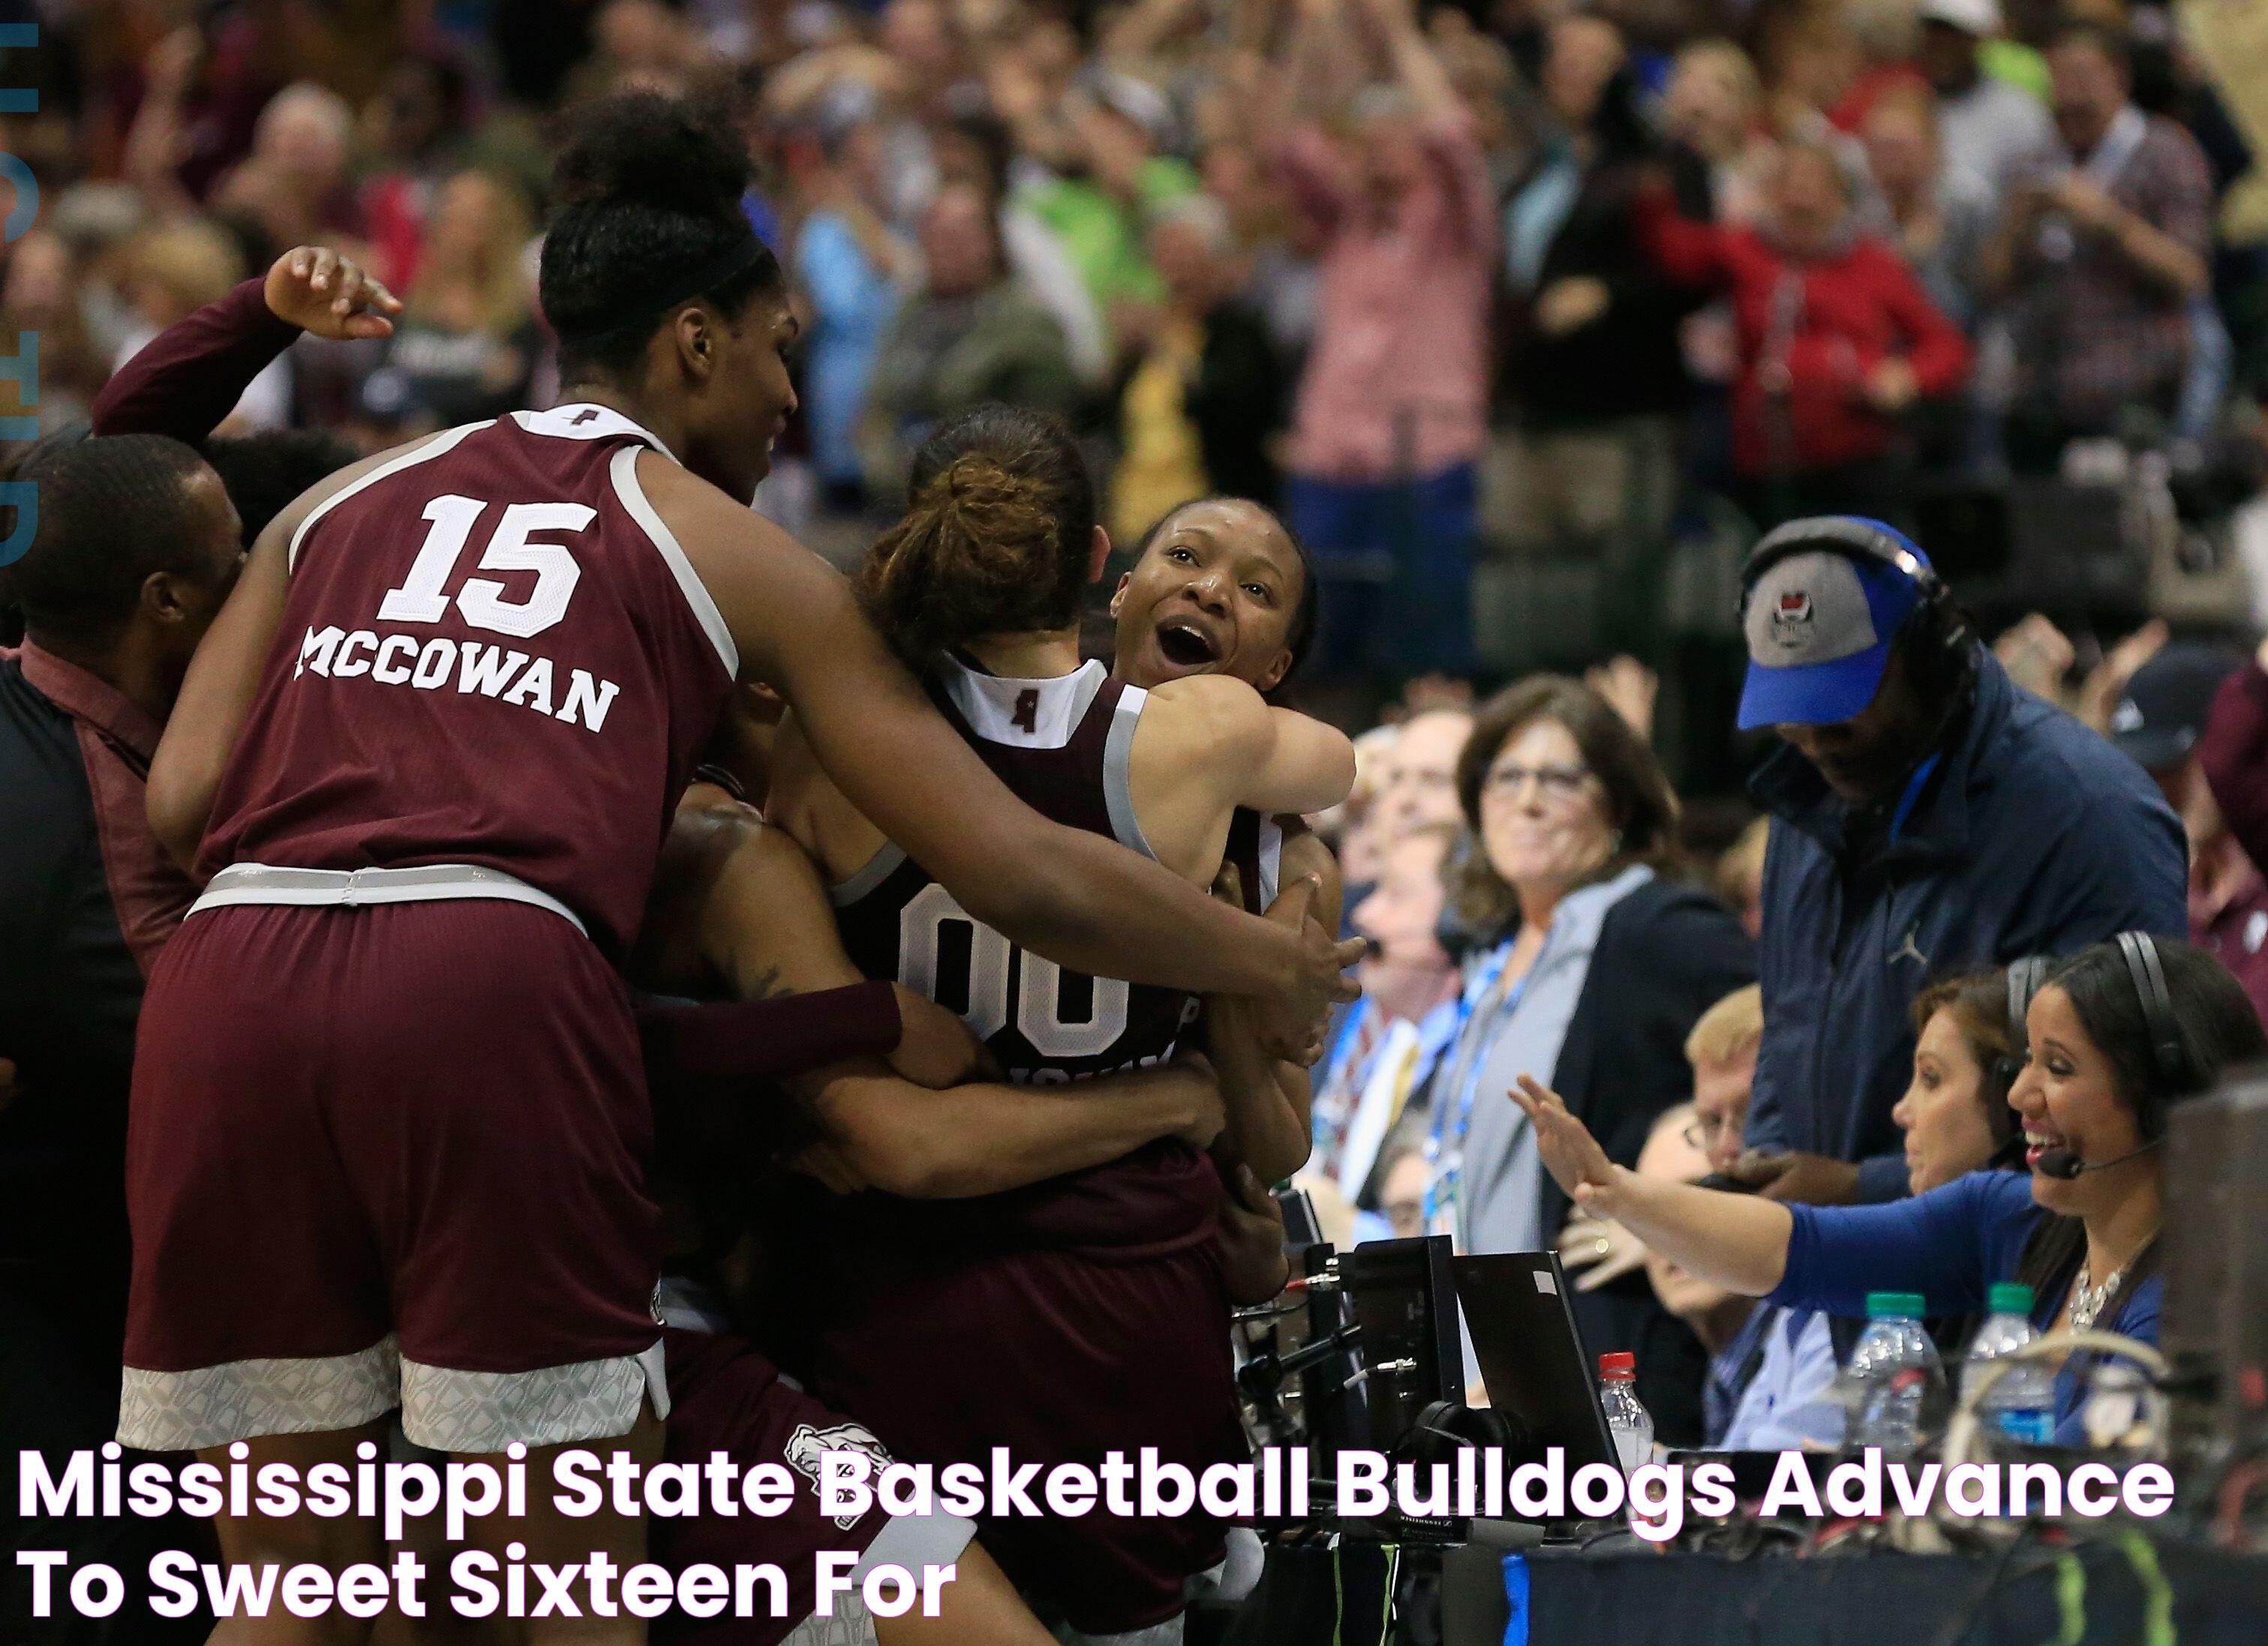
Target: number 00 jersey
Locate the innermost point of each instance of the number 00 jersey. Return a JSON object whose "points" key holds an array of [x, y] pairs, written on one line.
{"points": [[1061, 746], [493, 653]]}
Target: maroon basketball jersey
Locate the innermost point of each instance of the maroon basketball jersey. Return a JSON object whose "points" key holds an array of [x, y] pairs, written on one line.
{"points": [[493, 653], [1061, 746]]}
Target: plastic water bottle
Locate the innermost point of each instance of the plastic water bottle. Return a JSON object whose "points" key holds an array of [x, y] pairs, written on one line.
{"points": [[1893, 1383], [1628, 1421], [2020, 1406]]}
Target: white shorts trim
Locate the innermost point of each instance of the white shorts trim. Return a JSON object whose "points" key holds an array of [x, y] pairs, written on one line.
{"points": [[344, 888], [444, 1410], [212, 1406]]}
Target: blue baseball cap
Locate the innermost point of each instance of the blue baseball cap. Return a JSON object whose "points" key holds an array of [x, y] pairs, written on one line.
{"points": [[1819, 626]]}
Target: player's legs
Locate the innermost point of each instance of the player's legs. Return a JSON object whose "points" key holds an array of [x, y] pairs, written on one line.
{"points": [[979, 1607], [257, 1540], [545, 1535]]}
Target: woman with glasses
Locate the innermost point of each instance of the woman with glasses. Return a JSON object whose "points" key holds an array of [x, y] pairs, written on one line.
{"points": [[1596, 964]]}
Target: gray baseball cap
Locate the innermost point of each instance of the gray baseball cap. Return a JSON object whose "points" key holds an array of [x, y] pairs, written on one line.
{"points": [[1819, 627]]}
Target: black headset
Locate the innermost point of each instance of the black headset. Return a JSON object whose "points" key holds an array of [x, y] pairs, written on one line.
{"points": [[1860, 538], [2148, 971]]}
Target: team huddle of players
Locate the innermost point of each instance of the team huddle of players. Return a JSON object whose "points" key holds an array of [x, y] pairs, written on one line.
{"points": [[455, 763]]}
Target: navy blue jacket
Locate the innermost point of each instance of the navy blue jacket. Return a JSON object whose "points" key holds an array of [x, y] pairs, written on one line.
{"points": [[2031, 835]]}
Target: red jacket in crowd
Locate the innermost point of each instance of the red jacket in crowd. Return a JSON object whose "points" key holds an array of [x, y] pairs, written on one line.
{"points": [[1810, 334]]}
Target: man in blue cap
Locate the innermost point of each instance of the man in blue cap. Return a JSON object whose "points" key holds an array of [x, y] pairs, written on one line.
{"points": [[1929, 817]]}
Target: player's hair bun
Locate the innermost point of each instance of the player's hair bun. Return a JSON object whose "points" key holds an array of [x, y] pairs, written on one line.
{"points": [[644, 148], [976, 554]]}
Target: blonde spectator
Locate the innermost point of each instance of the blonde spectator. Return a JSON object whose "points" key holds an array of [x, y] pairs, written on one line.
{"points": [[464, 347], [1714, 107]]}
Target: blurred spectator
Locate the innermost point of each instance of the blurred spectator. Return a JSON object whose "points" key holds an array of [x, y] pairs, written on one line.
{"points": [[1592, 365], [2160, 724], [1386, 1044], [1719, 1318], [1837, 339], [1402, 1196], [852, 268], [2101, 261], [414, 128], [1928, 817], [1722, 1050], [1112, 181], [1940, 216], [1390, 413], [292, 186], [40, 299], [1200, 394], [466, 345], [1418, 782], [170, 273], [1596, 966], [2232, 754], [1989, 130], [968, 335], [1741, 876], [1711, 109]]}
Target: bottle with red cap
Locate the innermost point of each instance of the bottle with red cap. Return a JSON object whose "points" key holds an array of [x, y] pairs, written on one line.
{"points": [[1628, 1421]]}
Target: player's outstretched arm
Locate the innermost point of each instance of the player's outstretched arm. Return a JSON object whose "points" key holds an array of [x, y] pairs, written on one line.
{"points": [[225, 676], [1074, 897], [1271, 759]]}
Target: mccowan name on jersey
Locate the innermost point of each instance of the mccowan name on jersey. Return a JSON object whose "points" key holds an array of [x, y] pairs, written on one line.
{"points": [[438, 664]]}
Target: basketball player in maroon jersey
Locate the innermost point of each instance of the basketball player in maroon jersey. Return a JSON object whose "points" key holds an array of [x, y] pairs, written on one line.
{"points": [[1102, 1285], [1206, 595], [387, 1116]]}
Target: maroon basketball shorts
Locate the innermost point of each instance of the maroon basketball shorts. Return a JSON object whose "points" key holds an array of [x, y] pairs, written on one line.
{"points": [[389, 1155], [1060, 1356], [726, 1397]]}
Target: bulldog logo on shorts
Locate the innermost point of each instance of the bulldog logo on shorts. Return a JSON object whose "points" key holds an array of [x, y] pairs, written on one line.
{"points": [[807, 1446], [1791, 618]]}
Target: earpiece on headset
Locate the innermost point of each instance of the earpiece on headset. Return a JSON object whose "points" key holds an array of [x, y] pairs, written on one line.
{"points": [[2147, 970]]}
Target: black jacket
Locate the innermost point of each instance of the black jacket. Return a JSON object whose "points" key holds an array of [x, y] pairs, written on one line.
{"points": [[1629, 361], [1667, 954]]}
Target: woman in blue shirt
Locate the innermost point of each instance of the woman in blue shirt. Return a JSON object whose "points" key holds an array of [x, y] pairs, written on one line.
{"points": [[2080, 1226]]}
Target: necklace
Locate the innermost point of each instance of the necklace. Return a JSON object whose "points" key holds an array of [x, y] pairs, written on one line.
{"points": [[2086, 1301]]}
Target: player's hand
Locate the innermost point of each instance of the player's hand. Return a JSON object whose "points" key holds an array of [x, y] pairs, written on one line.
{"points": [[1254, 1266], [1796, 1177], [827, 1163], [1193, 1072], [1570, 302], [317, 290], [1599, 1251], [1291, 1022], [935, 1048], [1570, 1153]]}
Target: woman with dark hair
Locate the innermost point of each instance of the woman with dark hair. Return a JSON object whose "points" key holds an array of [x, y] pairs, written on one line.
{"points": [[1108, 1281], [1954, 1112], [2118, 1033], [1594, 964], [414, 1178]]}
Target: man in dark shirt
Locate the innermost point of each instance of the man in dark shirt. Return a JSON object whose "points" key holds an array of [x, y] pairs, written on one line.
{"points": [[136, 547]]}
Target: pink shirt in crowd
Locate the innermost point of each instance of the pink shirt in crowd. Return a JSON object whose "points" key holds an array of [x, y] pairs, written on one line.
{"points": [[1399, 371]]}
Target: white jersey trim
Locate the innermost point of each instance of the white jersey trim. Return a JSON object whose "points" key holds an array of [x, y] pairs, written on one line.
{"points": [[988, 702], [351, 888], [586, 420], [1117, 770], [624, 469], [864, 882], [1272, 859], [439, 445]]}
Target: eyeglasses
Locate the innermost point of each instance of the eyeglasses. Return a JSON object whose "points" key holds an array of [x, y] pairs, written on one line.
{"points": [[1556, 783], [1707, 1131]]}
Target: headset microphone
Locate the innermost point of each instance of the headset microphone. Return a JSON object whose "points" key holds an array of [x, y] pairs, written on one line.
{"points": [[2067, 1163]]}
